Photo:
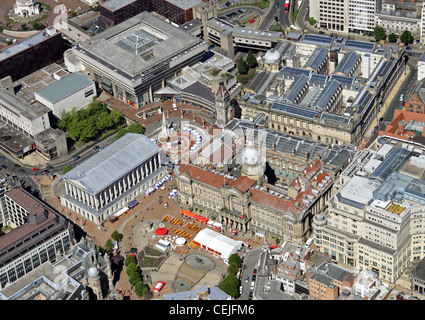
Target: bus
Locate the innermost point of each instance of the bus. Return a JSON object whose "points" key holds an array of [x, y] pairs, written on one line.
{"points": [[286, 8]]}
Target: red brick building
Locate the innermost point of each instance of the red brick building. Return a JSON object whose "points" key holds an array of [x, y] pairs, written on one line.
{"points": [[406, 125], [417, 102], [113, 12], [31, 54]]}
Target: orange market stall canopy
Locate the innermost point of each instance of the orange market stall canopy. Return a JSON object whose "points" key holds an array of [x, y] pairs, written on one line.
{"points": [[194, 216]]}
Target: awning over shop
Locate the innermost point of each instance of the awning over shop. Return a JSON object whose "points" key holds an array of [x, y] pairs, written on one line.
{"points": [[194, 216]]}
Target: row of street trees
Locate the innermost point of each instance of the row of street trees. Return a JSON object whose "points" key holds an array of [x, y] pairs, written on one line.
{"points": [[231, 283], [380, 34], [135, 277]]}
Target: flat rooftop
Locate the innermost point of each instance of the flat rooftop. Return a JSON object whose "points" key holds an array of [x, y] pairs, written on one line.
{"points": [[137, 44], [244, 32], [114, 5], [26, 43], [184, 4], [65, 87]]}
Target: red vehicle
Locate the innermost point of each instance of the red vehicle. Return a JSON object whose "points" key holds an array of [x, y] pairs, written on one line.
{"points": [[34, 169], [158, 286], [286, 8]]}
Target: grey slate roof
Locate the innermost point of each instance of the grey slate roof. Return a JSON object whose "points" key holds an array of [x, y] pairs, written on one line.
{"points": [[110, 164]]}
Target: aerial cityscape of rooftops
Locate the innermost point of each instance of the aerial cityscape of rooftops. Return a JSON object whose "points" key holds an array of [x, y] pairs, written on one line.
{"points": [[212, 150]]}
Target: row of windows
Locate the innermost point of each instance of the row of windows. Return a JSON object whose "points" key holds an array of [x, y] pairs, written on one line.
{"points": [[34, 261]]}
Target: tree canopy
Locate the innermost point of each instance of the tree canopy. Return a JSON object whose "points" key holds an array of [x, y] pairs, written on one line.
{"points": [[86, 124], [379, 33], [133, 128], [392, 37], [242, 66], [251, 61], [406, 37], [230, 285]]}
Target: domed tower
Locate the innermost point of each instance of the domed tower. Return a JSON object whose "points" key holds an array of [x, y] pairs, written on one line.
{"points": [[271, 60], [252, 165], [94, 282]]}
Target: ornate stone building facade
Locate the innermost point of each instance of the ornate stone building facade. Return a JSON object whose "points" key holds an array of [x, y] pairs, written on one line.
{"points": [[248, 203]]}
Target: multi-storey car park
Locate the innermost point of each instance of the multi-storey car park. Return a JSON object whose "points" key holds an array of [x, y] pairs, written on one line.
{"points": [[333, 88]]}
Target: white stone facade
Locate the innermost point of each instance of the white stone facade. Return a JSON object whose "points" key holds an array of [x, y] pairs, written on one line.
{"points": [[26, 8]]}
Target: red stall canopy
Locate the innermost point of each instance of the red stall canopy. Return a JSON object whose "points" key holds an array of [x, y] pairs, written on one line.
{"points": [[161, 231]]}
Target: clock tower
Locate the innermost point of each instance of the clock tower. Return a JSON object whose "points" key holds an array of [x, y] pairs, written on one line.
{"points": [[222, 105]]}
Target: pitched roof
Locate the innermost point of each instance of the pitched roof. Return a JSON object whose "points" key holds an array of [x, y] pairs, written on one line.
{"points": [[242, 183], [115, 161]]}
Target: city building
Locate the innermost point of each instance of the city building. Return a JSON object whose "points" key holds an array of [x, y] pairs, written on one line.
{"points": [[176, 11], [416, 102], [328, 281], [418, 278], [266, 184], [73, 91], [133, 59], [345, 15], [31, 125], [106, 182], [421, 67], [333, 107], [361, 15], [208, 84], [330, 14], [406, 125], [39, 234], [396, 20], [373, 220], [113, 12], [281, 272], [81, 273], [30, 54], [200, 293], [4, 215], [230, 37]]}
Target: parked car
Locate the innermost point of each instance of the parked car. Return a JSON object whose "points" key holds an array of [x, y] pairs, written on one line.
{"points": [[16, 165], [408, 48], [77, 157], [34, 169], [95, 148]]}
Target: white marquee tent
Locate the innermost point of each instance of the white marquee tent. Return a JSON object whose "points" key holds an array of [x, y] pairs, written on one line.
{"points": [[217, 243]]}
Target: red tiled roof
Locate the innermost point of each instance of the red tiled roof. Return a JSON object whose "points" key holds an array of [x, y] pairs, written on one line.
{"points": [[270, 200], [242, 183]]}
